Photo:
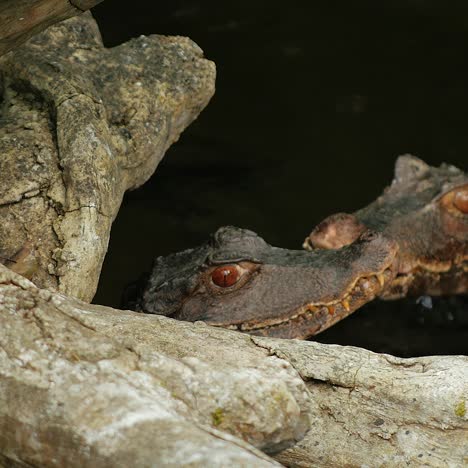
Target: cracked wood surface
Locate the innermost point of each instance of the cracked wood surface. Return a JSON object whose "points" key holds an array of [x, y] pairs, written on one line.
{"points": [[84, 385], [80, 125], [93, 385], [390, 411], [21, 19]]}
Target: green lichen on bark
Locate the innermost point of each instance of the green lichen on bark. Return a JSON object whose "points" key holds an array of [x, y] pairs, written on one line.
{"points": [[460, 409], [217, 417]]}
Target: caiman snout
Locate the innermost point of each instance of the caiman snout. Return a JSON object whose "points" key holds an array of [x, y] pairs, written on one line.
{"points": [[345, 279], [239, 281]]}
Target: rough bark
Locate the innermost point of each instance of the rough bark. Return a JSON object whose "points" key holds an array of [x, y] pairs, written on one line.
{"points": [[84, 385], [80, 125], [378, 410], [21, 19]]}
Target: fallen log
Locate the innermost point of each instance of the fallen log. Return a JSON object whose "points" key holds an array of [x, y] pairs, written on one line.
{"points": [[87, 385], [70, 395]]}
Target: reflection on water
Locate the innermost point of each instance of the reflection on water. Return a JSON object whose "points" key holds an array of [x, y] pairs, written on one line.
{"points": [[314, 102]]}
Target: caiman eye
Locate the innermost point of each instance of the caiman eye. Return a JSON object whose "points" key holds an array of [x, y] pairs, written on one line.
{"points": [[225, 276], [230, 277], [456, 201], [460, 199]]}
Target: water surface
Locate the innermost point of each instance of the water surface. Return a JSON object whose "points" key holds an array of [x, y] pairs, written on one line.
{"points": [[314, 102]]}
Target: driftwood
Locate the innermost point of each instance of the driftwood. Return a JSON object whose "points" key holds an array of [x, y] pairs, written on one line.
{"points": [[80, 125], [21, 19], [86, 385]]}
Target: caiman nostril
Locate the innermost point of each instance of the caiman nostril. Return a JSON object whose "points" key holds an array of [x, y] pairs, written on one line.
{"points": [[460, 200], [336, 231], [368, 236]]}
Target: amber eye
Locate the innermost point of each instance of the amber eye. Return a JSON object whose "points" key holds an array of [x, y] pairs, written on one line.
{"points": [[225, 276], [460, 199], [456, 201]]}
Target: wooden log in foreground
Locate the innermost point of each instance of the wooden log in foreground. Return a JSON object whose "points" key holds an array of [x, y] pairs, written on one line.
{"points": [[21, 19], [85, 385]]}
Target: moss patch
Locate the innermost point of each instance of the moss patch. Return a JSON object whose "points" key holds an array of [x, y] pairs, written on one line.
{"points": [[217, 417], [460, 409]]}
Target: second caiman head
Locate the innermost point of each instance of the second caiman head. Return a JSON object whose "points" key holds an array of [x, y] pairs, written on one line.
{"points": [[236, 280], [425, 211]]}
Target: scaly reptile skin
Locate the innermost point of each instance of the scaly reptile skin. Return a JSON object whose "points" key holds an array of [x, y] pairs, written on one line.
{"points": [[425, 211]]}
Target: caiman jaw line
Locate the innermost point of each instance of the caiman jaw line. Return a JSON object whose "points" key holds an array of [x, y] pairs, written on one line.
{"points": [[439, 267], [425, 270], [361, 283], [422, 268]]}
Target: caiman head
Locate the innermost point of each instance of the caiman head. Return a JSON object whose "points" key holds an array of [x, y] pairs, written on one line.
{"points": [[425, 211], [236, 280]]}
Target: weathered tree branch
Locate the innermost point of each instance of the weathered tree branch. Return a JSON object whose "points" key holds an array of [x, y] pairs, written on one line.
{"points": [[22, 19], [80, 125], [86, 385]]}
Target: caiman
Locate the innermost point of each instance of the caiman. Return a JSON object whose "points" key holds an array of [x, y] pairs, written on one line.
{"points": [[425, 211], [412, 240]]}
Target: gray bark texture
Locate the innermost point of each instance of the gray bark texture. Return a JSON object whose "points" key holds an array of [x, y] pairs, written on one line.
{"points": [[89, 386], [80, 125], [86, 385], [21, 19]]}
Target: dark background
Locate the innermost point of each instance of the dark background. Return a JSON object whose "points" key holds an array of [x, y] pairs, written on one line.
{"points": [[314, 102]]}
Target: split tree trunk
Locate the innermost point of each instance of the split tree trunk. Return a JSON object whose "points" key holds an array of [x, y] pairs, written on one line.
{"points": [[80, 125]]}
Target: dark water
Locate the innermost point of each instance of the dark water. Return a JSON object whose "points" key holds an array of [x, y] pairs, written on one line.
{"points": [[314, 102]]}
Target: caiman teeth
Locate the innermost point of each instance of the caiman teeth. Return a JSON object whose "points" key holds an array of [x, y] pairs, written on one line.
{"points": [[381, 279], [359, 286], [345, 304], [306, 245]]}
